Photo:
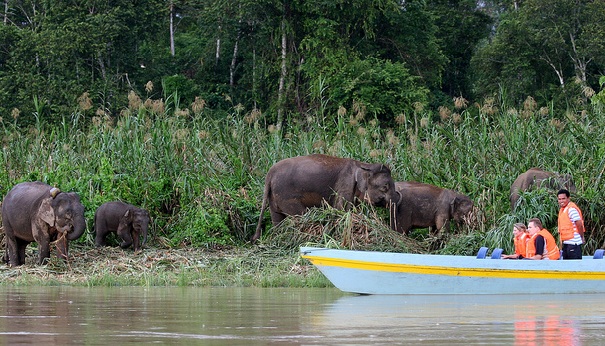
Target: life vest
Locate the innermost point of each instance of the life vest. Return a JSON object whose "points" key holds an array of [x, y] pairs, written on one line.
{"points": [[566, 227], [521, 244], [551, 251]]}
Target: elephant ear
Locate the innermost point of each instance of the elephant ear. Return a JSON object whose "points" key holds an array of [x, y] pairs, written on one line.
{"points": [[127, 216], [454, 205], [46, 212]]}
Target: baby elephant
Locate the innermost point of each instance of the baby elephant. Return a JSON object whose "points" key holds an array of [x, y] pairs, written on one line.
{"points": [[128, 221], [424, 205]]}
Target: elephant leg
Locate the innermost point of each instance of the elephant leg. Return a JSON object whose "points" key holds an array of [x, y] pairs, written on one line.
{"points": [[62, 249], [100, 234], [11, 254], [20, 251], [43, 249], [277, 217], [442, 224]]}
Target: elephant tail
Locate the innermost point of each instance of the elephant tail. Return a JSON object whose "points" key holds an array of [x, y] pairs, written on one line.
{"points": [[259, 226]]}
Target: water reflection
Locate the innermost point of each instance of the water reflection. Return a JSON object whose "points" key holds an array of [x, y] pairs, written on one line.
{"points": [[493, 320], [64, 315], [67, 315]]}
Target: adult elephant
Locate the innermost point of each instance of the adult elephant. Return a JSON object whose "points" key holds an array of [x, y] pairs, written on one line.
{"points": [[35, 211], [425, 205], [127, 220], [536, 178], [295, 184]]}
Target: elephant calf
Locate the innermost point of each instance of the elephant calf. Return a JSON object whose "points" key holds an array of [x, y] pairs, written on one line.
{"points": [[536, 177], [128, 221], [38, 212], [424, 205]]}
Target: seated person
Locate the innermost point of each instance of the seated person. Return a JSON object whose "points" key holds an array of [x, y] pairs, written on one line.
{"points": [[541, 244], [520, 237]]}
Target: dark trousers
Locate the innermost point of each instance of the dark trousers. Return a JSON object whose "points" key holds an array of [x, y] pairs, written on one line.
{"points": [[571, 252]]}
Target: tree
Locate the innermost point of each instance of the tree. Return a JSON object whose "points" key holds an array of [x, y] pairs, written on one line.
{"points": [[462, 25], [552, 41]]}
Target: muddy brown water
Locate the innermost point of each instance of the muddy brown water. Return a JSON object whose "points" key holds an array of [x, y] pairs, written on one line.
{"points": [[261, 316]]}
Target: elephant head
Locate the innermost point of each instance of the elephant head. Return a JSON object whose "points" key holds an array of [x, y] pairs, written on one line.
{"points": [[460, 207], [376, 185], [135, 220], [64, 213]]}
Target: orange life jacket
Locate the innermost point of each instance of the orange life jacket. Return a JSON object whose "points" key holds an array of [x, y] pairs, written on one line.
{"points": [[521, 244], [566, 227], [551, 251]]}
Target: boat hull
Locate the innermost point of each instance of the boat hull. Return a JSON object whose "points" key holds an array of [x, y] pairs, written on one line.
{"points": [[368, 272]]}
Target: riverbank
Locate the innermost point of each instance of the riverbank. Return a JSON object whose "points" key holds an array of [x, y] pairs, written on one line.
{"points": [[113, 266]]}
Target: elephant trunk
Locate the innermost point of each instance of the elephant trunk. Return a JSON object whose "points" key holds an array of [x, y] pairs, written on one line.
{"points": [[79, 225]]}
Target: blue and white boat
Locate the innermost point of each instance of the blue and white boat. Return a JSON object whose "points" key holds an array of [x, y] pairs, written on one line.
{"points": [[369, 272]]}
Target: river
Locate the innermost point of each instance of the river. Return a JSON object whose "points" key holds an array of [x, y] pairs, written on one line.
{"points": [[305, 316]]}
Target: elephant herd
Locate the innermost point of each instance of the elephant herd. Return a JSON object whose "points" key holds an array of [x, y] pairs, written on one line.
{"points": [[37, 212]]}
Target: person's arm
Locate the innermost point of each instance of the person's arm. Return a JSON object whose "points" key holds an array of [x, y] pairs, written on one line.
{"points": [[574, 216], [539, 248], [580, 228]]}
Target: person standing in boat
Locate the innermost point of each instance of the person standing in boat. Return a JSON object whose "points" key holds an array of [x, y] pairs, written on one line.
{"points": [[571, 226], [541, 244], [520, 237]]}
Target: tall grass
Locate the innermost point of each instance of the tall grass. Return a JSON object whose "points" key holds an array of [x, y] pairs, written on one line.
{"points": [[201, 174]]}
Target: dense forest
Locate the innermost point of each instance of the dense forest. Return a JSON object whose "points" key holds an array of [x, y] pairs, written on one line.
{"points": [[296, 57], [181, 107]]}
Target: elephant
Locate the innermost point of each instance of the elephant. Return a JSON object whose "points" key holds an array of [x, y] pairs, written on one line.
{"points": [[38, 212], [536, 177], [425, 205], [295, 184], [128, 221]]}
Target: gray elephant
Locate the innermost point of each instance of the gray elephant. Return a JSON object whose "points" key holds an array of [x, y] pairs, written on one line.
{"points": [[425, 205], [128, 221], [295, 184], [37, 212], [536, 177]]}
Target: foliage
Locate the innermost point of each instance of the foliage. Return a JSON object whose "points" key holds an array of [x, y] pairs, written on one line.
{"points": [[382, 88], [549, 49]]}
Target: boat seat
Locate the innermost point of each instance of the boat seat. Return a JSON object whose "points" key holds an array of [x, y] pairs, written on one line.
{"points": [[497, 253], [482, 252], [598, 254]]}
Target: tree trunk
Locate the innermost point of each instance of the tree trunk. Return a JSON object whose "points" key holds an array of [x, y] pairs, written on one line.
{"points": [[579, 63], [282, 78], [172, 28], [234, 58], [218, 46]]}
